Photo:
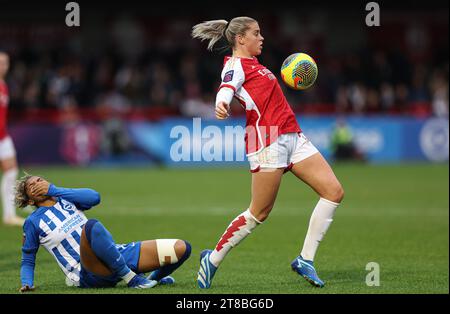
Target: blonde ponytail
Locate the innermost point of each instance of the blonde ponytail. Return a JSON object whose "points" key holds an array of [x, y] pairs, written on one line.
{"points": [[210, 30], [216, 29]]}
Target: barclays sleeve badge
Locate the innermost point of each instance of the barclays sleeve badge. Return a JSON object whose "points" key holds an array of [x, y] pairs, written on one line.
{"points": [[228, 76]]}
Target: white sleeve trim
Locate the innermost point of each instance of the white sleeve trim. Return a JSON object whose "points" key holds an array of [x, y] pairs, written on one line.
{"points": [[225, 95]]}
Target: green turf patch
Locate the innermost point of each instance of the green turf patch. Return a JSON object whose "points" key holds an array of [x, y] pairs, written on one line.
{"points": [[394, 215]]}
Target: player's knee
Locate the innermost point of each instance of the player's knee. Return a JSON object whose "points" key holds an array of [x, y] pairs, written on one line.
{"points": [[10, 172], [182, 250], [9, 165], [339, 193], [172, 251], [88, 229], [336, 194]]}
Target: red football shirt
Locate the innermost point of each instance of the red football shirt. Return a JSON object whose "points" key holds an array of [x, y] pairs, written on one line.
{"points": [[268, 112], [4, 99]]}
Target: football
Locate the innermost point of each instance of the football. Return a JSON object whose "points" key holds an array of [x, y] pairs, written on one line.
{"points": [[299, 71]]}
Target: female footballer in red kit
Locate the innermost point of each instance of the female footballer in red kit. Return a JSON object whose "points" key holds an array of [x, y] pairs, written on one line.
{"points": [[275, 144], [8, 160]]}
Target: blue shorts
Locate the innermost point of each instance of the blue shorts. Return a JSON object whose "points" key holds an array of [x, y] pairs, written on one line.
{"points": [[130, 253]]}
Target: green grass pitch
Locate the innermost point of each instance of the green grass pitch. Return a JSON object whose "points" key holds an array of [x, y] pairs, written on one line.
{"points": [[394, 215]]}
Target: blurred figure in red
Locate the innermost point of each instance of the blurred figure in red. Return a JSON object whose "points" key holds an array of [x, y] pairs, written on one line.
{"points": [[8, 161]]}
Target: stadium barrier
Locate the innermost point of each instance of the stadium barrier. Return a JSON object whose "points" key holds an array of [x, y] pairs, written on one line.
{"points": [[196, 142]]}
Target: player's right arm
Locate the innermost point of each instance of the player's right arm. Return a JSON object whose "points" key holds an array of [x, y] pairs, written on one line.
{"points": [[83, 199], [233, 77], [30, 247]]}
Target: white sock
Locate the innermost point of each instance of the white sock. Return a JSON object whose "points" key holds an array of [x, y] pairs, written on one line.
{"points": [[320, 221], [239, 228], [130, 275], [7, 192]]}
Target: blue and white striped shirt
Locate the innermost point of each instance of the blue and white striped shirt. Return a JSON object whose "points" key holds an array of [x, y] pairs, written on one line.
{"points": [[58, 229]]}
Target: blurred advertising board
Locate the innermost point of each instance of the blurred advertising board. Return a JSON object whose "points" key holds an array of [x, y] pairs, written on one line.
{"points": [[199, 142]]}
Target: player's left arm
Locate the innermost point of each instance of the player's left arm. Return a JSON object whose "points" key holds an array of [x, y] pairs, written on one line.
{"points": [[83, 199], [30, 246]]}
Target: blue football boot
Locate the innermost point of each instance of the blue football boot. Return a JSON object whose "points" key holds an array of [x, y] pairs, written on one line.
{"points": [[306, 269], [168, 280], [140, 282], [206, 271]]}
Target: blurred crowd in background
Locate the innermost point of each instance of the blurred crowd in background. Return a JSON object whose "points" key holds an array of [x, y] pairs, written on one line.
{"points": [[132, 62]]}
